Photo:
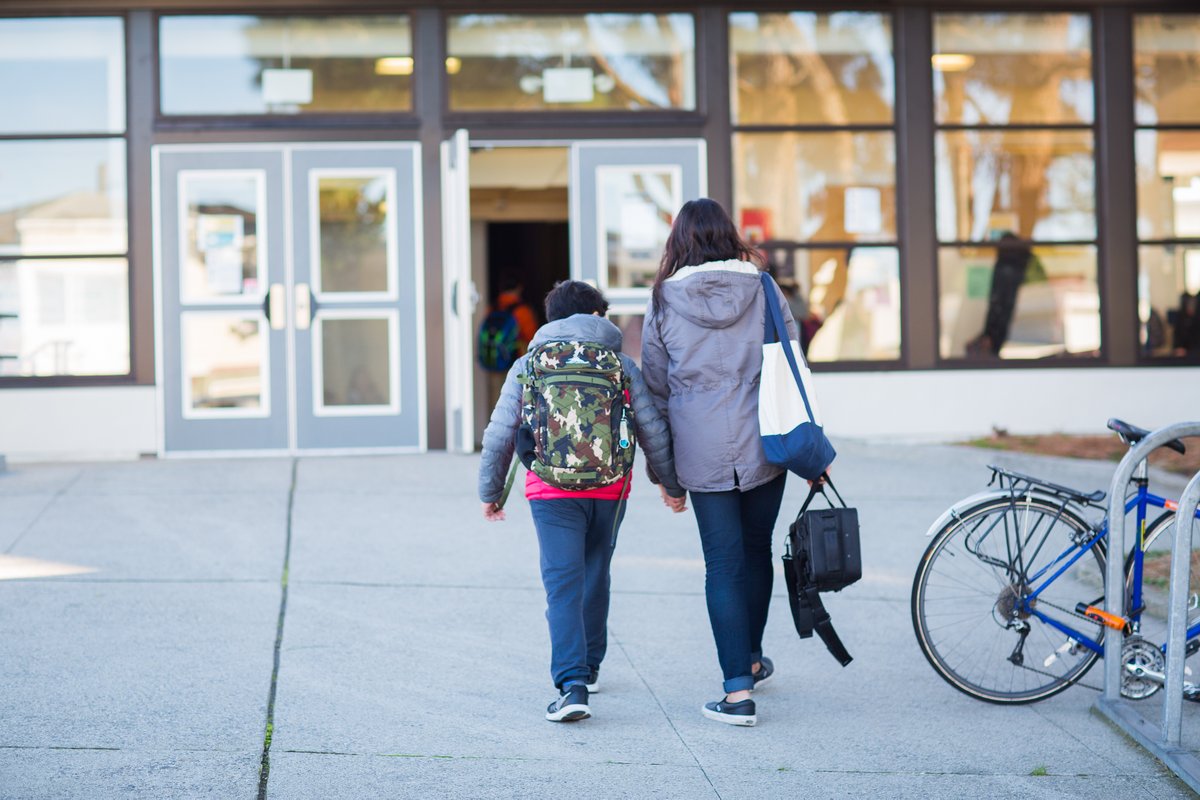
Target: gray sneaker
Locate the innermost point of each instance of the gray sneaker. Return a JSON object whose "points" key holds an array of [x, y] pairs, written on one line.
{"points": [[571, 705], [766, 668]]}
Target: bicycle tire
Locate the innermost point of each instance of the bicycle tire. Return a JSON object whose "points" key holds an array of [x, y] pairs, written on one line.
{"points": [[990, 676]]}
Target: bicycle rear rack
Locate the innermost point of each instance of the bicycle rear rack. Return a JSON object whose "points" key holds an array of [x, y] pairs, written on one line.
{"points": [[1018, 483]]}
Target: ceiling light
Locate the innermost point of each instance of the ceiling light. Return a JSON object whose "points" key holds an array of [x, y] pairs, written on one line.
{"points": [[952, 62], [394, 65]]}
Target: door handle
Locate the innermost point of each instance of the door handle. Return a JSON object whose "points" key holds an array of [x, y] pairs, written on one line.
{"points": [[306, 306], [274, 307]]}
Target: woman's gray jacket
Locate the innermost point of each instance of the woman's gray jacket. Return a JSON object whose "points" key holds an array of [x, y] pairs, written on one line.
{"points": [[702, 358], [499, 440]]}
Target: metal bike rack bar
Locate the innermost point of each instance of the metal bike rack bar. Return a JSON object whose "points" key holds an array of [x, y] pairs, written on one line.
{"points": [[1163, 741], [1181, 565]]}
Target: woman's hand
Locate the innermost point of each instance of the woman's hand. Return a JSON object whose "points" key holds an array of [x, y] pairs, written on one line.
{"points": [[493, 512]]}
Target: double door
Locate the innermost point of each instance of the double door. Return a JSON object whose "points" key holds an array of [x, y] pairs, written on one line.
{"points": [[623, 196], [289, 298]]}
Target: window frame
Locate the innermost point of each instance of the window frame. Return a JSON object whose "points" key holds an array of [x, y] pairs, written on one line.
{"points": [[130, 377], [566, 118], [1099, 177], [894, 128], [1142, 359], [321, 120]]}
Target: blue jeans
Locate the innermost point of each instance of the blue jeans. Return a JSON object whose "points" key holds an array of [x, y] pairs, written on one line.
{"points": [[735, 531], [576, 538]]}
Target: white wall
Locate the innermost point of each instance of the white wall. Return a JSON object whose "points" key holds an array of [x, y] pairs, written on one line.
{"points": [[68, 424], [952, 405]]}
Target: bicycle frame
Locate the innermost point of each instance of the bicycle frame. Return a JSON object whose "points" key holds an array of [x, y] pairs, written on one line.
{"points": [[1139, 502]]}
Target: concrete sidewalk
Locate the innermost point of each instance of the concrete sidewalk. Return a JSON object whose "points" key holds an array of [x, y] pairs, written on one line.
{"points": [[413, 657]]}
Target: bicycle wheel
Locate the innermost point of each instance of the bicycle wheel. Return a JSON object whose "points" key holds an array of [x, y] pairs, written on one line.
{"points": [[969, 599], [1159, 541]]}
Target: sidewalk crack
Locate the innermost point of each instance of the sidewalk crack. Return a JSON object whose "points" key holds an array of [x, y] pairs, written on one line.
{"points": [[265, 770], [666, 716], [54, 499]]}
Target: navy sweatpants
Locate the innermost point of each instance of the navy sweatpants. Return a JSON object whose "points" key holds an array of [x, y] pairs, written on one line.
{"points": [[576, 538]]}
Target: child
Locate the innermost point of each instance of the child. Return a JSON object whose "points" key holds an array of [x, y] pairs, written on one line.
{"points": [[576, 528]]}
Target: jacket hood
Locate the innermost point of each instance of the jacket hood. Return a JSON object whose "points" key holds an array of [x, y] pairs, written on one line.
{"points": [[580, 328], [713, 295]]}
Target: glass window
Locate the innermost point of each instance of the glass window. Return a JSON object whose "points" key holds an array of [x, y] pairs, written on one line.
{"points": [[807, 68], [636, 209], [64, 317], [1169, 299], [64, 196], [1012, 68], [356, 248], [225, 364], [222, 248], [846, 301], [607, 62], [62, 75], [812, 196], [1167, 68], [1168, 169], [1013, 301], [355, 367], [1037, 184], [816, 187], [285, 65]]}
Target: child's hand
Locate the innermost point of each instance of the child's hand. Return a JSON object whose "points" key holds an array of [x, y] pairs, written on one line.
{"points": [[676, 504], [493, 512]]}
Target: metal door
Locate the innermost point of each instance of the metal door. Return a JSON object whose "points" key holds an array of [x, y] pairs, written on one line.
{"points": [[624, 196], [358, 297], [221, 316], [459, 293]]}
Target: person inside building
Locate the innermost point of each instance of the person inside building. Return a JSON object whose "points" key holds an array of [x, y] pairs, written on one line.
{"points": [[1015, 264]]}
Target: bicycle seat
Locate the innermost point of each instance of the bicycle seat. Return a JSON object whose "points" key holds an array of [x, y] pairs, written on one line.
{"points": [[1132, 434]]}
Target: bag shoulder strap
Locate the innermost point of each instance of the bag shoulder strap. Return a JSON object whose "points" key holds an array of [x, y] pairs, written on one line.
{"points": [[775, 330], [824, 626], [809, 614]]}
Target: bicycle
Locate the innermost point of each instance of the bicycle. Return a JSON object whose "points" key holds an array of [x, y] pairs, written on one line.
{"points": [[1007, 601]]}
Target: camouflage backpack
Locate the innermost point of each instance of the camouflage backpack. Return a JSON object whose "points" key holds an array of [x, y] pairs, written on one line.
{"points": [[575, 401]]}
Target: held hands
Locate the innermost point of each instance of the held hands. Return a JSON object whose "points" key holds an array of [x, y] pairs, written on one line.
{"points": [[676, 504], [493, 513]]}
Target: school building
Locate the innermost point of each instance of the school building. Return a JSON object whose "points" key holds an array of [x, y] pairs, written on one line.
{"points": [[275, 227]]}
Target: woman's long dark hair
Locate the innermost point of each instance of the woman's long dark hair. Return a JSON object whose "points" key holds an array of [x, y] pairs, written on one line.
{"points": [[702, 232]]}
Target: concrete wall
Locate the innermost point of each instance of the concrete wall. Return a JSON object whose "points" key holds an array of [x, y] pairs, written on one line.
{"points": [[78, 424], [951, 405]]}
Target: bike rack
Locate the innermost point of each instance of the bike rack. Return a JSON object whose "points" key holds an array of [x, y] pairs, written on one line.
{"points": [[1164, 740]]}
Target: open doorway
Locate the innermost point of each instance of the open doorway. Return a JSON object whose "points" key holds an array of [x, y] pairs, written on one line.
{"points": [[519, 238]]}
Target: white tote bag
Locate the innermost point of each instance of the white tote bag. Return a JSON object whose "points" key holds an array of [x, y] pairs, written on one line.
{"points": [[789, 421]]}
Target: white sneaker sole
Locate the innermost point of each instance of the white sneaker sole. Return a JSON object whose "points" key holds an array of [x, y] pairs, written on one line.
{"points": [[593, 687], [571, 713], [763, 682], [741, 720]]}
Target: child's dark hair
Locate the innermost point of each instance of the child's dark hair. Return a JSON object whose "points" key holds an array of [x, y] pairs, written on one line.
{"points": [[574, 297]]}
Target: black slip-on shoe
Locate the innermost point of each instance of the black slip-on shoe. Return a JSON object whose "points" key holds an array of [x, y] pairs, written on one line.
{"points": [[766, 668], [570, 706], [742, 713], [593, 680]]}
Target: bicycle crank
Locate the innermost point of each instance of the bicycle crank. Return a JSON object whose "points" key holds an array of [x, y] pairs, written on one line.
{"points": [[1144, 666]]}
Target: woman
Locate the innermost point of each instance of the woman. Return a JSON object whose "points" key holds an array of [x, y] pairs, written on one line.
{"points": [[701, 357]]}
